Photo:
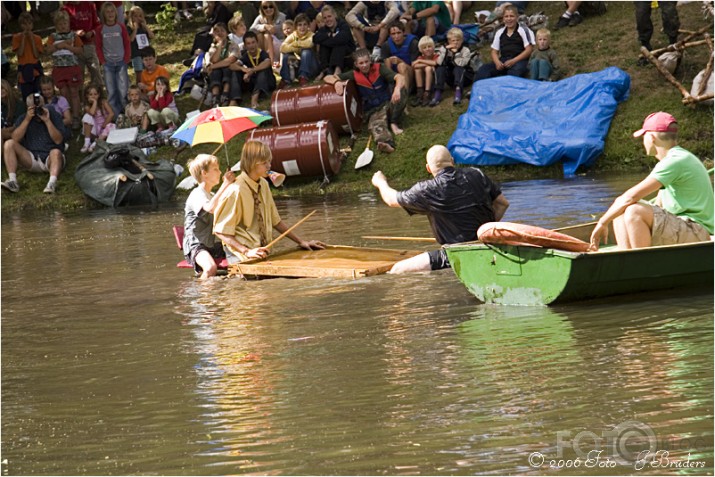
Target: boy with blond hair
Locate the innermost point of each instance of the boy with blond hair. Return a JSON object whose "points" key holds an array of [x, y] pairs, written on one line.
{"points": [[201, 249], [425, 67], [544, 63]]}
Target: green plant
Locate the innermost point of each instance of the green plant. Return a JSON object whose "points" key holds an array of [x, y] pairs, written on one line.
{"points": [[165, 17]]}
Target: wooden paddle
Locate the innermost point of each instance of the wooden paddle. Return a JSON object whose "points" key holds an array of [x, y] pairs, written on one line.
{"points": [[410, 239], [274, 241], [365, 157]]}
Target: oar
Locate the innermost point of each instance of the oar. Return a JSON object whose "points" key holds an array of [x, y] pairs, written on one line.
{"points": [[273, 242], [366, 157], [408, 239]]}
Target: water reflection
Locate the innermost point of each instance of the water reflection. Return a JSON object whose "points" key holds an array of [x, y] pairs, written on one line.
{"points": [[114, 362]]}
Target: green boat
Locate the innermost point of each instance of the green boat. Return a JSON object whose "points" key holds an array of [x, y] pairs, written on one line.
{"points": [[527, 275]]}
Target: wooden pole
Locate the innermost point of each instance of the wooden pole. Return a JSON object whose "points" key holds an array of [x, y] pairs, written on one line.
{"points": [[408, 239], [708, 69], [666, 74], [677, 46], [274, 241]]}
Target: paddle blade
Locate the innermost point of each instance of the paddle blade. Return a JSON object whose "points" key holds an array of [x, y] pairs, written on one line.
{"points": [[364, 159]]}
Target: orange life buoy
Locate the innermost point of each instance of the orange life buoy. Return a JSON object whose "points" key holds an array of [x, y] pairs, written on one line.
{"points": [[509, 233]]}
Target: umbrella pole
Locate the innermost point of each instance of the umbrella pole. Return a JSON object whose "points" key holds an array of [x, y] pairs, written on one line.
{"points": [[225, 149]]}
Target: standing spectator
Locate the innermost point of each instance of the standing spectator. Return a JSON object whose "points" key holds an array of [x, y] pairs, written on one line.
{"points": [[36, 145], [28, 47], [644, 25], [139, 36], [11, 107], [268, 27], [151, 72], [114, 51], [380, 107], [511, 48], [84, 22], [256, 69], [118, 4], [66, 47], [452, 67], [298, 53], [336, 43], [544, 63], [370, 22], [163, 112], [56, 102], [428, 18], [399, 51]]}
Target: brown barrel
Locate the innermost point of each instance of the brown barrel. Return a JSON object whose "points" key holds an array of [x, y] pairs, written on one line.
{"points": [[316, 103], [305, 150]]}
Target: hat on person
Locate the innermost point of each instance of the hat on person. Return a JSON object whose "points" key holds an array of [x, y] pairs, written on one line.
{"points": [[658, 122]]}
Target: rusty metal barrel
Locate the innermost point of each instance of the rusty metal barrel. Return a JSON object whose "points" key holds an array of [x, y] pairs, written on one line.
{"points": [[305, 150], [316, 103]]}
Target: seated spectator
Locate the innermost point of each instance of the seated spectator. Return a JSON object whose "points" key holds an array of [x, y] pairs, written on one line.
{"points": [[163, 112], [65, 46], [246, 215], [452, 67], [56, 102], [28, 47], [310, 8], [299, 61], [427, 18], [237, 28], [544, 63], [139, 35], [11, 107], [380, 106], [455, 10], [336, 43], [399, 51], [151, 72], [97, 119], [201, 249], [370, 22], [256, 69], [511, 48], [222, 54], [135, 112], [268, 28], [425, 67], [37, 145], [216, 12]]}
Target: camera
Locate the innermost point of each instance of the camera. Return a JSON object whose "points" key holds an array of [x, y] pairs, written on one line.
{"points": [[39, 110]]}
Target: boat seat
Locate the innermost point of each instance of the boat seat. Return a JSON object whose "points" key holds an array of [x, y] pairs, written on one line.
{"points": [[179, 237]]}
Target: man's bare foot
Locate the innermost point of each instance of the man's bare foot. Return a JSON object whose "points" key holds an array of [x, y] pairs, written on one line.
{"points": [[385, 147], [396, 129]]}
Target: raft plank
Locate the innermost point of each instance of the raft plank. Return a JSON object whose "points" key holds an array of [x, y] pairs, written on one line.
{"points": [[336, 261]]}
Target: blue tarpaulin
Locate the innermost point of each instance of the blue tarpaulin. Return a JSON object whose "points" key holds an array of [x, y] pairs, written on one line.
{"points": [[514, 120]]}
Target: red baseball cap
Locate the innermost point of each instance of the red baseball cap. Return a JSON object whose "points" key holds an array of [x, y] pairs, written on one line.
{"points": [[658, 122]]}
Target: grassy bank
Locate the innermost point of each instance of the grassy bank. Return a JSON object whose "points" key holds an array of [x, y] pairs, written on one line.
{"points": [[599, 42]]}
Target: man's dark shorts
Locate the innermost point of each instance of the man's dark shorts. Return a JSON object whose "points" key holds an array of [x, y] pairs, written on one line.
{"points": [[438, 259], [216, 252]]}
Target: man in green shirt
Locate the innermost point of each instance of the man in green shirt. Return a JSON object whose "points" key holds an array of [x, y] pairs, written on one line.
{"points": [[683, 210], [427, 18]]}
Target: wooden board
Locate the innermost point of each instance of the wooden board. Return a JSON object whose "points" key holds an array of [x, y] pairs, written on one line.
{"points": [[336, 261]]}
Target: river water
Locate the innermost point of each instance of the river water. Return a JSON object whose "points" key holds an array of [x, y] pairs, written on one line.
{"points": [[115, 362]]}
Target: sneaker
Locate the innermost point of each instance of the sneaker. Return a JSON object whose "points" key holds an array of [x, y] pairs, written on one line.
{"points": [[418, 98], [575, 19], [85, 148], [12, 186], [302, 81], [92, 146], [187, 62], [50, 188], [376, 53], [426, 98], [642, 61], [187, 14], [562, 23]]}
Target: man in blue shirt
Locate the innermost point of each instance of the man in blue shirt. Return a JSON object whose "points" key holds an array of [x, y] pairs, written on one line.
{"points": [[37, 145]]}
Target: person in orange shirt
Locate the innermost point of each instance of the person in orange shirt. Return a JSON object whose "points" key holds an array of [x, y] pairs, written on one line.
{"points": [[151, 72], [28, 48]]}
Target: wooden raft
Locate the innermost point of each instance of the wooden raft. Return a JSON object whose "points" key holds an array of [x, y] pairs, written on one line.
{"points": [[336, 261]]}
